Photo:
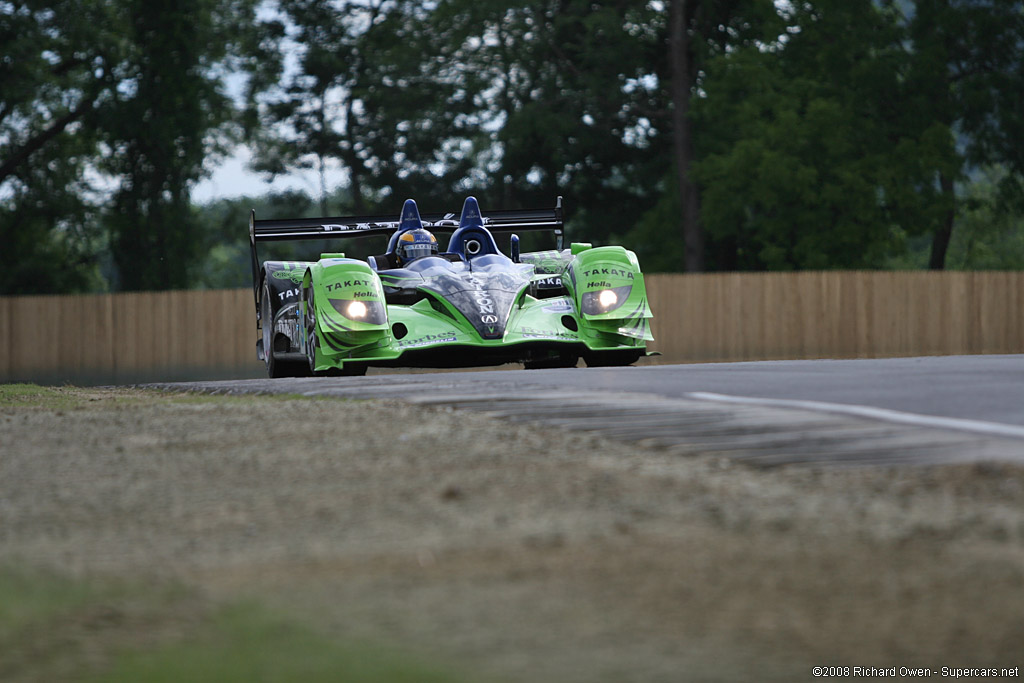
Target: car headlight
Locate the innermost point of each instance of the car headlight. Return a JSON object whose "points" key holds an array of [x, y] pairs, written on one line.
{"points": [[356, 310], [370, 312], [604, 300]]}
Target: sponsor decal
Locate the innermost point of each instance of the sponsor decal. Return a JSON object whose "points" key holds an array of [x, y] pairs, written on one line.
{"points": [[558, 306], [293, 274], [347, 284], [535, 333], [289, 294], [549, 282], [426, 340], [364, 295], [489, 319], [614, 272], [485, 302], [599, 285]]}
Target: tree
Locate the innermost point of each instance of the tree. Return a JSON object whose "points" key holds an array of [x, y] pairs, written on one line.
{"points": [[58, 65], [813, 153], [553, 97], [314, 117], [966, 76], [108, 111], [162, 124]]}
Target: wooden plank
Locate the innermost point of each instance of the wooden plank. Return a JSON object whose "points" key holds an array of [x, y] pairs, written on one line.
{"points": [[5, 338]]}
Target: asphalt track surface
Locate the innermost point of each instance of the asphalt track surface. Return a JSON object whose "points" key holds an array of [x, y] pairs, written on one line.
{"points": [[932, 410]]}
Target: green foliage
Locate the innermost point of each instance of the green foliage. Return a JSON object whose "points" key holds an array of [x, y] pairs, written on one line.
{"points": [[989, 232], [826, 134], [55, 67], [173, 103], [796, 153], [108, 112]]}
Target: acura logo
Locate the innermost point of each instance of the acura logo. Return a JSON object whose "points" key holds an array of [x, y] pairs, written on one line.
{"points": [[489, 319]]}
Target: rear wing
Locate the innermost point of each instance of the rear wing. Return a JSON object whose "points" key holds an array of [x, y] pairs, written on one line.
{"points": [[288, 229]]}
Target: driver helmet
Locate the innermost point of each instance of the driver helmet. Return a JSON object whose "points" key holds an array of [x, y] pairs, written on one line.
{"points": [[416, 243]]}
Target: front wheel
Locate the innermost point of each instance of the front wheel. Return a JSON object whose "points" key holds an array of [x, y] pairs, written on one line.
{"points": [[309, 325], [551, 360], [275, 368]]}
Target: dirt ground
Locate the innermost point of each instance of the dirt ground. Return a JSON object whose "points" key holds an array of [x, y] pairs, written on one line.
{"points": [[521, 554]]}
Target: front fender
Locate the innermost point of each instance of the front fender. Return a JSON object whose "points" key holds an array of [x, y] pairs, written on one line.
{"points": [[349, 302], [609, 292]]}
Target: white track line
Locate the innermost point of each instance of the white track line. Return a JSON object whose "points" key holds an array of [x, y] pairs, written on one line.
{"points": [[976, 426]]}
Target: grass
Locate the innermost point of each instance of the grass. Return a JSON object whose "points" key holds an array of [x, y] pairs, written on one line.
{"points": [[33, 396], [55, 628], [244, 644]]}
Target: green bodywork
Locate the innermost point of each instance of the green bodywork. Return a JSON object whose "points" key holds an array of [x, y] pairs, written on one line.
{"points": [[472, 310]]}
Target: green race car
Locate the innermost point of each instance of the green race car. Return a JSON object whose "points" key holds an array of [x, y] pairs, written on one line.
{"points": [[470, 305]]}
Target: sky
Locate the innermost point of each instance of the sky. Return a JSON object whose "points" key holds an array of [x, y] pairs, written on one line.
{"points": [[232, 179]]}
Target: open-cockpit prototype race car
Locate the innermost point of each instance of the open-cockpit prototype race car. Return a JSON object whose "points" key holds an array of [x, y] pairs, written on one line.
{"points": [[470, 305]]}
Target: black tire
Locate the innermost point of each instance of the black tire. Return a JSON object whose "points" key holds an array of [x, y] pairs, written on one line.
{"points": [[309, 327], [347, 370], [275, 368], [561, 359], [267, 328], [611, 359]]}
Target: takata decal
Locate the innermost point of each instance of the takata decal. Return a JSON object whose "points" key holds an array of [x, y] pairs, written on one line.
{"points": [[614, 272], [426, 340], [347, 284], [549, 283]]}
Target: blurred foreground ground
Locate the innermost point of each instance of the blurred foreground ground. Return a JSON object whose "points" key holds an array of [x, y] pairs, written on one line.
{"points": [[510, 553]]}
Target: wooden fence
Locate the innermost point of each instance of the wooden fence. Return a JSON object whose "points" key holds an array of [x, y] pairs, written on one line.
{"points": [[836, 314], [707, 317], [128, 337]]}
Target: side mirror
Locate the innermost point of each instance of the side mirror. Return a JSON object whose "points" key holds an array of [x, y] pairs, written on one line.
{"points": [[514, 249]]}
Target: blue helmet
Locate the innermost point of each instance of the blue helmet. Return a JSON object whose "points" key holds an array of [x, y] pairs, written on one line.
{"points": [[413, 244]]}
